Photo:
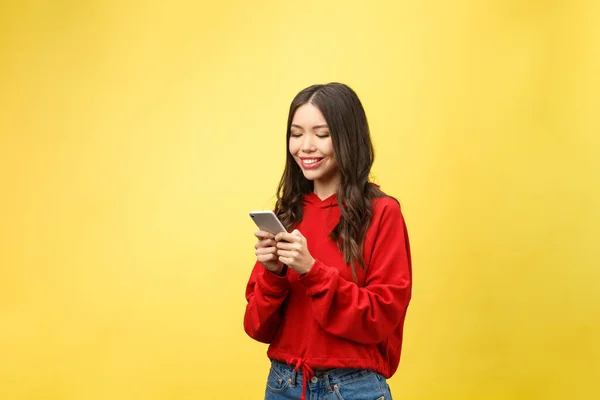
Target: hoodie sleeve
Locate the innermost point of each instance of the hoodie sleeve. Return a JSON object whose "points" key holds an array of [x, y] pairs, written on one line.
{"points": [[265, 293], [366, 314]]}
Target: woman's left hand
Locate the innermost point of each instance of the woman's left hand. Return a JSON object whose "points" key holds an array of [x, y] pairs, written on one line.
{"points": [[292, 250]]}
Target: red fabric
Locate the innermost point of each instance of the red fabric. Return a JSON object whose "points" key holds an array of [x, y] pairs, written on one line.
{"points": [[324, 319]]}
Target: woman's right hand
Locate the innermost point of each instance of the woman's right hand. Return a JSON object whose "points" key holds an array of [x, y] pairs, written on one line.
{"points": [[266, 252]]}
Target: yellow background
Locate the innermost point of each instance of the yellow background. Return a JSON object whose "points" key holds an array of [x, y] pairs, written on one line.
{"points": [[136, 136]]}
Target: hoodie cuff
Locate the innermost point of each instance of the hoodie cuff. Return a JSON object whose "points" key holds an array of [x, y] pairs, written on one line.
{"points": [[274, 283], [317, 279]]}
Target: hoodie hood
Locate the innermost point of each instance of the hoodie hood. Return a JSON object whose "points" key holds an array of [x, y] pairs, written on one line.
{"points": [[331, 201], [312, 199]]}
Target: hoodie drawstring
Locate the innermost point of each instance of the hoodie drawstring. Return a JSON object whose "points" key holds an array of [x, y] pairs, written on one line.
{"points": [[307, 374]]}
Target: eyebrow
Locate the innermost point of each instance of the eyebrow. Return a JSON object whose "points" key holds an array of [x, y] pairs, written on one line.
{"points": [[314, 127]]}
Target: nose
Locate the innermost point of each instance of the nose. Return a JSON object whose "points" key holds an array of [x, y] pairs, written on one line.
{"points": [[308, 145]]}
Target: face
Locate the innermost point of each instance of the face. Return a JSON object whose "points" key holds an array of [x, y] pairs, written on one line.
{"points": [[311, 146]]}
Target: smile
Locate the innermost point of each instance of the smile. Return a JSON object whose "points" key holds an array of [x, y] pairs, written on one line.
{"points": [[311, 163]]}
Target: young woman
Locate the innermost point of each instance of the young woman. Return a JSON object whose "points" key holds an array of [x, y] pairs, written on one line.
{"points": [[331, 296]]}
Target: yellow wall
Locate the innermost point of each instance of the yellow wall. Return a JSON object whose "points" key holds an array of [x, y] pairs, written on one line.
{"points": [[135, 137]]}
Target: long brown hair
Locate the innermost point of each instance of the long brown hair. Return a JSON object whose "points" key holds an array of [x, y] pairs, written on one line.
{"points": [[354, 154]]}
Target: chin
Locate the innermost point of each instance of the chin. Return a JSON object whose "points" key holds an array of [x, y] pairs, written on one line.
{"points": [[310, 177]]}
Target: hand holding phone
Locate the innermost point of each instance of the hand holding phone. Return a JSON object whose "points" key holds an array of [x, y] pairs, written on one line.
{"points": [[266, 248]]}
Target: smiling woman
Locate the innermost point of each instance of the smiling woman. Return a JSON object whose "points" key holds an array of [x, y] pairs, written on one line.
{"points": [[133, 141], [334, 327], [311, 145]]}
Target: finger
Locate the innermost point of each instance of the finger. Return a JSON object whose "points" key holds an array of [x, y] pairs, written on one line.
{"points": [[296, 232], [288, 237], [265, 243], [266, 258], [279, 236], [266, 250], [287, 245], [264, 235], [286, 253], [285, 260]]}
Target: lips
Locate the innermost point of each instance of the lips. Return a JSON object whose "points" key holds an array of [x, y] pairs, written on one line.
{"points": [[311, 163]]}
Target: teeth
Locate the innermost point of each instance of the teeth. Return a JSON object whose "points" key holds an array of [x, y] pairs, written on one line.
{"points": [[314, 160]]}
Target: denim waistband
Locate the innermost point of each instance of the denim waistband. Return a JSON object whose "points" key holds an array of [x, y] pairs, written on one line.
{"points": [[335, 376]]}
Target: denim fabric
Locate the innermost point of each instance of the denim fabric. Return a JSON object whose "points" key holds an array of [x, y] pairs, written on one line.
{"points": [[284, 383]]}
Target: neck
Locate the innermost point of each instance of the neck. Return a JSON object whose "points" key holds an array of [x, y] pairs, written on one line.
{"points": [[325, 188]]}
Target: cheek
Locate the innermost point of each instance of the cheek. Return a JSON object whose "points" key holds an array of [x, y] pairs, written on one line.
{"points": [[292, 147], [328, 149]]}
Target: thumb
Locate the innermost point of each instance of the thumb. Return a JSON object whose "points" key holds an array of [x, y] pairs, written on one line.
{"points": [[296, 232]]}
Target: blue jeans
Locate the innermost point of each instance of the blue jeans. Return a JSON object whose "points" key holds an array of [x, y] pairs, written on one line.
{"points": [[337, 384]]}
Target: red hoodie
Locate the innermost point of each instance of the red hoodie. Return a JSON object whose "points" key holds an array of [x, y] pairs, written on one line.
{"points": [[324, 319]]}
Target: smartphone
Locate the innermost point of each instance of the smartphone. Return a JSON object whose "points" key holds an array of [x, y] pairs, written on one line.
{"points": [[267, 221]]}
